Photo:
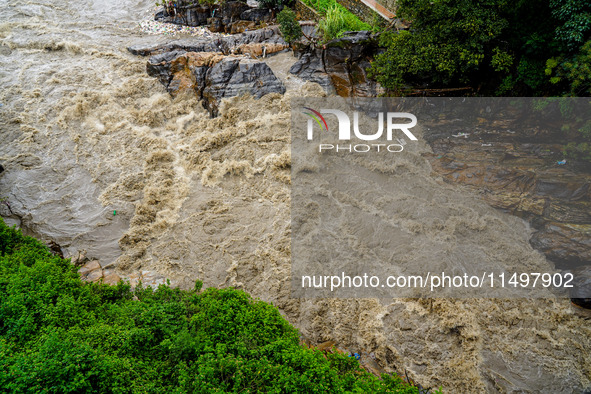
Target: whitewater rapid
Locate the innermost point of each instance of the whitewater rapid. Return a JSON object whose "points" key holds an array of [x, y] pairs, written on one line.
{"points": [[99, 157]]}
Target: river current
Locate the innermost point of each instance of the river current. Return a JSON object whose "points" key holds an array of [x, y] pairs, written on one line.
{"points": [[99, 157]]}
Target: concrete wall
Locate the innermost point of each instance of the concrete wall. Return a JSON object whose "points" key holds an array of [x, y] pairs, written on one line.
{"points": [[359, 9]]}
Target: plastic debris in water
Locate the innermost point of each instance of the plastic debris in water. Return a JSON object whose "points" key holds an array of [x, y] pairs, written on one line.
{"points": [[561, 162], [114, 213], [465, 135]]}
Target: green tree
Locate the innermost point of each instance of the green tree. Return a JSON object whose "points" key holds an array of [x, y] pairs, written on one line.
{"points": [[289, 26], [450, 43]]}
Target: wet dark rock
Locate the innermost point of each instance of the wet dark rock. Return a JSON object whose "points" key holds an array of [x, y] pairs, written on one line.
{"points": [[257, 14], [566, 243], [217, 18], [215, 25], [197, 16], [211, 76], [341, 65], [247, 76], [230, 12], [190, 15], [310, 67], [581, 291], [55, 249], [159, 65]]}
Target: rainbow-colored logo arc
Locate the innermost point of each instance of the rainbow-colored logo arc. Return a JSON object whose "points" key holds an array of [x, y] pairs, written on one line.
{"points": [[317, 117]]}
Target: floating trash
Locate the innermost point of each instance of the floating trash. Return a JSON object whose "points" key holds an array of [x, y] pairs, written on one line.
{"points": [[561, 162], [465, 135]]}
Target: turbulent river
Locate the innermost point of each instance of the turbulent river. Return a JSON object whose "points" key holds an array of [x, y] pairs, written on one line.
{"points": [[100, 158]]}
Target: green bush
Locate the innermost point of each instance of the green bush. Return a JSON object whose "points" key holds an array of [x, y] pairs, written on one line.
{"points": [[289, 26], [60, 335]]}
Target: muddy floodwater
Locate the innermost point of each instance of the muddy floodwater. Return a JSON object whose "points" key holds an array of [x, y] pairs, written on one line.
{"points": [[99, 157]]}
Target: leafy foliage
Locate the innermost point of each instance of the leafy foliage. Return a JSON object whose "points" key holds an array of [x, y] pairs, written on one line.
{"points": [[526, 47], [573, 72], [289, 26], [451, 41], [60, 335], [574, 17]]}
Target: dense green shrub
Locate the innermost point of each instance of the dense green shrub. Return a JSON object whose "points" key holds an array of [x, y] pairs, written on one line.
{"points": [[60, 335], [496, 47], [289, 26]]}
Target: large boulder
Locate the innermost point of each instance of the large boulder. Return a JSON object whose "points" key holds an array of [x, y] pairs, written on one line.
{"points": [[230, 12], [246, 76], [341, 65], [257, 15], [198, 15], [212, 76]]}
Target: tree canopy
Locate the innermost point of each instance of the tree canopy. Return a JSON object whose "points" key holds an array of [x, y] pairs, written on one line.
{"points": [[496, 47]]}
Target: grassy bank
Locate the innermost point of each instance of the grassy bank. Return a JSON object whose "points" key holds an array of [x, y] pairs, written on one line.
{"points": [[59, 335], [336, 18]]}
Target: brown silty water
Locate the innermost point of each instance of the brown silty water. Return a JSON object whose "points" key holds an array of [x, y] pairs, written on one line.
{"points": [[84, 131]]}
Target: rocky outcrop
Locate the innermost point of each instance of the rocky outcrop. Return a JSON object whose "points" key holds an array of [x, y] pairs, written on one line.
{"points": [[216, 69], [229, 17], [523, 173], [341, 65], [250, 42], [212, 76]]}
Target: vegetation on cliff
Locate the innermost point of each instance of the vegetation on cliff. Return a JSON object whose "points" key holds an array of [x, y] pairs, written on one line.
{"points": [[59, 335], [495, 47]]}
